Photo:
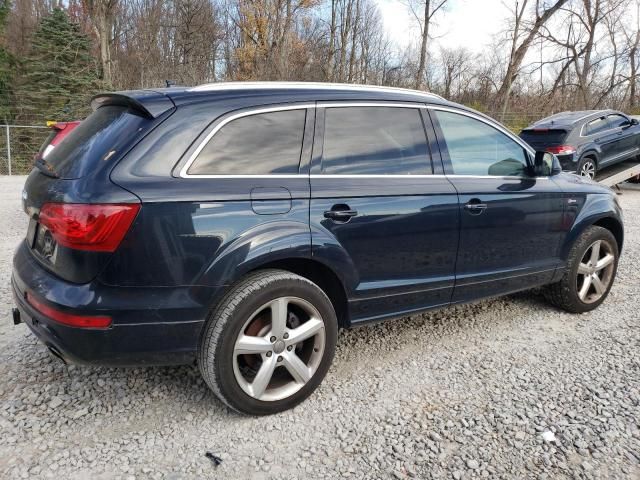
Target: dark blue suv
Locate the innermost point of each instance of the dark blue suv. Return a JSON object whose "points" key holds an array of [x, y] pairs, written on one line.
{"points": [[240, 225]]}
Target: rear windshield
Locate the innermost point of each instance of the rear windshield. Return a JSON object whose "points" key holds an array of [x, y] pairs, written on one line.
{"points": [[102, 137], [548, 137]]}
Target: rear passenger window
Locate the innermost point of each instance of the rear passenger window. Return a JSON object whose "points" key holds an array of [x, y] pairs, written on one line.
{"points": [[257, 144], [476, 148], [596, 126], [374, 141]]}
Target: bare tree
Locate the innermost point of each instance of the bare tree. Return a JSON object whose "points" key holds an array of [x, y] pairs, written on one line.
{"points": [[522, 35], [455, 63], [427, 9]]}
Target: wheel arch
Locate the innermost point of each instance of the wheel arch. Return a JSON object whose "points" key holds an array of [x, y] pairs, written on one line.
{"points": [[614, 226], [607, 221], [320, 274], [591, 153]]}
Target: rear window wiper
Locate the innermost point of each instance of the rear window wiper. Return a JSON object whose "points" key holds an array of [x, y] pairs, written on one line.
{"points": [[46, 168]]}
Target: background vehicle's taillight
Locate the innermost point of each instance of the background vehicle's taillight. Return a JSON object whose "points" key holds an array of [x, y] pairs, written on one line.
{"points": [[93, 227], [562, 150]]}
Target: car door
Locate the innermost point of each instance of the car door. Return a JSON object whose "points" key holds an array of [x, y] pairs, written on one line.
{"points": [[511, 223], [606, 137], [625, 138], [379, 211]]}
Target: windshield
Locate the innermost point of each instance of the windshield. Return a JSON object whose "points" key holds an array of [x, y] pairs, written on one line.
{"points": [[102, 137]]}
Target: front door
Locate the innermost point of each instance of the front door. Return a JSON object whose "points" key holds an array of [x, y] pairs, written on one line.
{"points": [[511, 223], [378, 212], [624, 139]]}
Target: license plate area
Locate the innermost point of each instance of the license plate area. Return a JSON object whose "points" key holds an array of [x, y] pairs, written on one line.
{"points": [[45, 245]]}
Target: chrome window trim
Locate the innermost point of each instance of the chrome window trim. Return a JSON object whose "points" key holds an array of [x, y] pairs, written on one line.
{"points": [[379, 103], [381, 176], [231, 117], [333, 104], [603, 131]]}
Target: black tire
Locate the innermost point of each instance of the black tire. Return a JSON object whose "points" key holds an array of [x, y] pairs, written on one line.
{"points": [[216, 351], [585, 162], [564, 294]]}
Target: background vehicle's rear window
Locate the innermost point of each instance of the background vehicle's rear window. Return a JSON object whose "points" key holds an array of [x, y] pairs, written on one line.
{"points": [[102, 137], [547, 137], [260, 144], [374, 140]]}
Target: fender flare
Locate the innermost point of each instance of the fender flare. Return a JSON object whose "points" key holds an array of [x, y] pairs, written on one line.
{"points": [[597, 208]]}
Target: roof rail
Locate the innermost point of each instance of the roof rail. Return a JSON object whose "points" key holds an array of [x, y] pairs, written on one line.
{"points": [[209, 87]]}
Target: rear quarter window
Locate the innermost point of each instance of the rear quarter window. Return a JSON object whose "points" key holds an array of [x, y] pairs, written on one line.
{"points": [[102, 137], [256, 144]]}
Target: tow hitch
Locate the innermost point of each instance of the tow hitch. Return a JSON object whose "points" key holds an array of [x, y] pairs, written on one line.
{"points": [[16, 316]]}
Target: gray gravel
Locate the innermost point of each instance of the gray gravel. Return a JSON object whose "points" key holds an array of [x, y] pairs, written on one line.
{"points": [[508, 388]]}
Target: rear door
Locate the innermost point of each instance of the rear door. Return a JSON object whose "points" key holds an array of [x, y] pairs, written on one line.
{"points": [[510, 222], [381, 209]]}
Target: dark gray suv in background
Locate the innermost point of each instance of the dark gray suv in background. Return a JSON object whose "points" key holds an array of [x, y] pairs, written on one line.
{"points": [[586, 141]]}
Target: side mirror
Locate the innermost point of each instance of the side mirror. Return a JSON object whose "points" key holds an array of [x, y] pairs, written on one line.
{"points": [[546, 164], [634, 121]]}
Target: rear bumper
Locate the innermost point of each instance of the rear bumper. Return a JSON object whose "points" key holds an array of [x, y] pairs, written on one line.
{"points": [[151, 326], [569, 162]]}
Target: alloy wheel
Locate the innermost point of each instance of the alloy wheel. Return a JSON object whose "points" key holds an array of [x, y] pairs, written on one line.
{"points": [[279, 349], [588, 169], [595, 271]]}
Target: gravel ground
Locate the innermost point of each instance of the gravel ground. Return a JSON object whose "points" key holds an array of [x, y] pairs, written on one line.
{"points": [[508, 388]]}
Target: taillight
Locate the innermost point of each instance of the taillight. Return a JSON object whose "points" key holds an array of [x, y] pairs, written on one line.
{"points": [[562, 150], [93, 227], [69, 319]]}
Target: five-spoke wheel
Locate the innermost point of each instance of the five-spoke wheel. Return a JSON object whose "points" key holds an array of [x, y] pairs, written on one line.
{"points": [[279, 348], [589, 274], [595, 271], [269, 342]]}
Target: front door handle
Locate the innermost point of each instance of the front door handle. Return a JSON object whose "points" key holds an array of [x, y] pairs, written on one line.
{"points": [[475, 207], [340, 215]]}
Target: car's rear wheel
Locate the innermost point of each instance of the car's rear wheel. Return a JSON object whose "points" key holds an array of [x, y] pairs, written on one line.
{"points": [[269, 343], [587, 168], [589, 274]]}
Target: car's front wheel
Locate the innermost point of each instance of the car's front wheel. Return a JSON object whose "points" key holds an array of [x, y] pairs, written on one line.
{"points": [[269, 343], [589, 274]]}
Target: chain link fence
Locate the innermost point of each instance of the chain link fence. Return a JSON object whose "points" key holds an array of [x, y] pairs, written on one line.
{"points": [[19, 145]]}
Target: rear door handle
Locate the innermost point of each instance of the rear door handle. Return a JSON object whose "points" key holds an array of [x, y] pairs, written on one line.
{"points": [[340, 215]]}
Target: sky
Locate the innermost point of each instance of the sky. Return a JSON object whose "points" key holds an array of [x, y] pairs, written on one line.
{"points": [[468, 23]]}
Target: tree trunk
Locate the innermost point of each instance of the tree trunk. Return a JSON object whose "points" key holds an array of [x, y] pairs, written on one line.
{"points": [[518, 52], [423, 46]]}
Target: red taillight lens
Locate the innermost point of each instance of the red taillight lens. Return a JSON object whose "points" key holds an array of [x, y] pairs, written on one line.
{"points": [[561, 150], [72, 320], [93, 227]]}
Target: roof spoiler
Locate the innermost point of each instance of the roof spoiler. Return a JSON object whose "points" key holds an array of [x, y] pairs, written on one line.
{"points": [[149, 103]]}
